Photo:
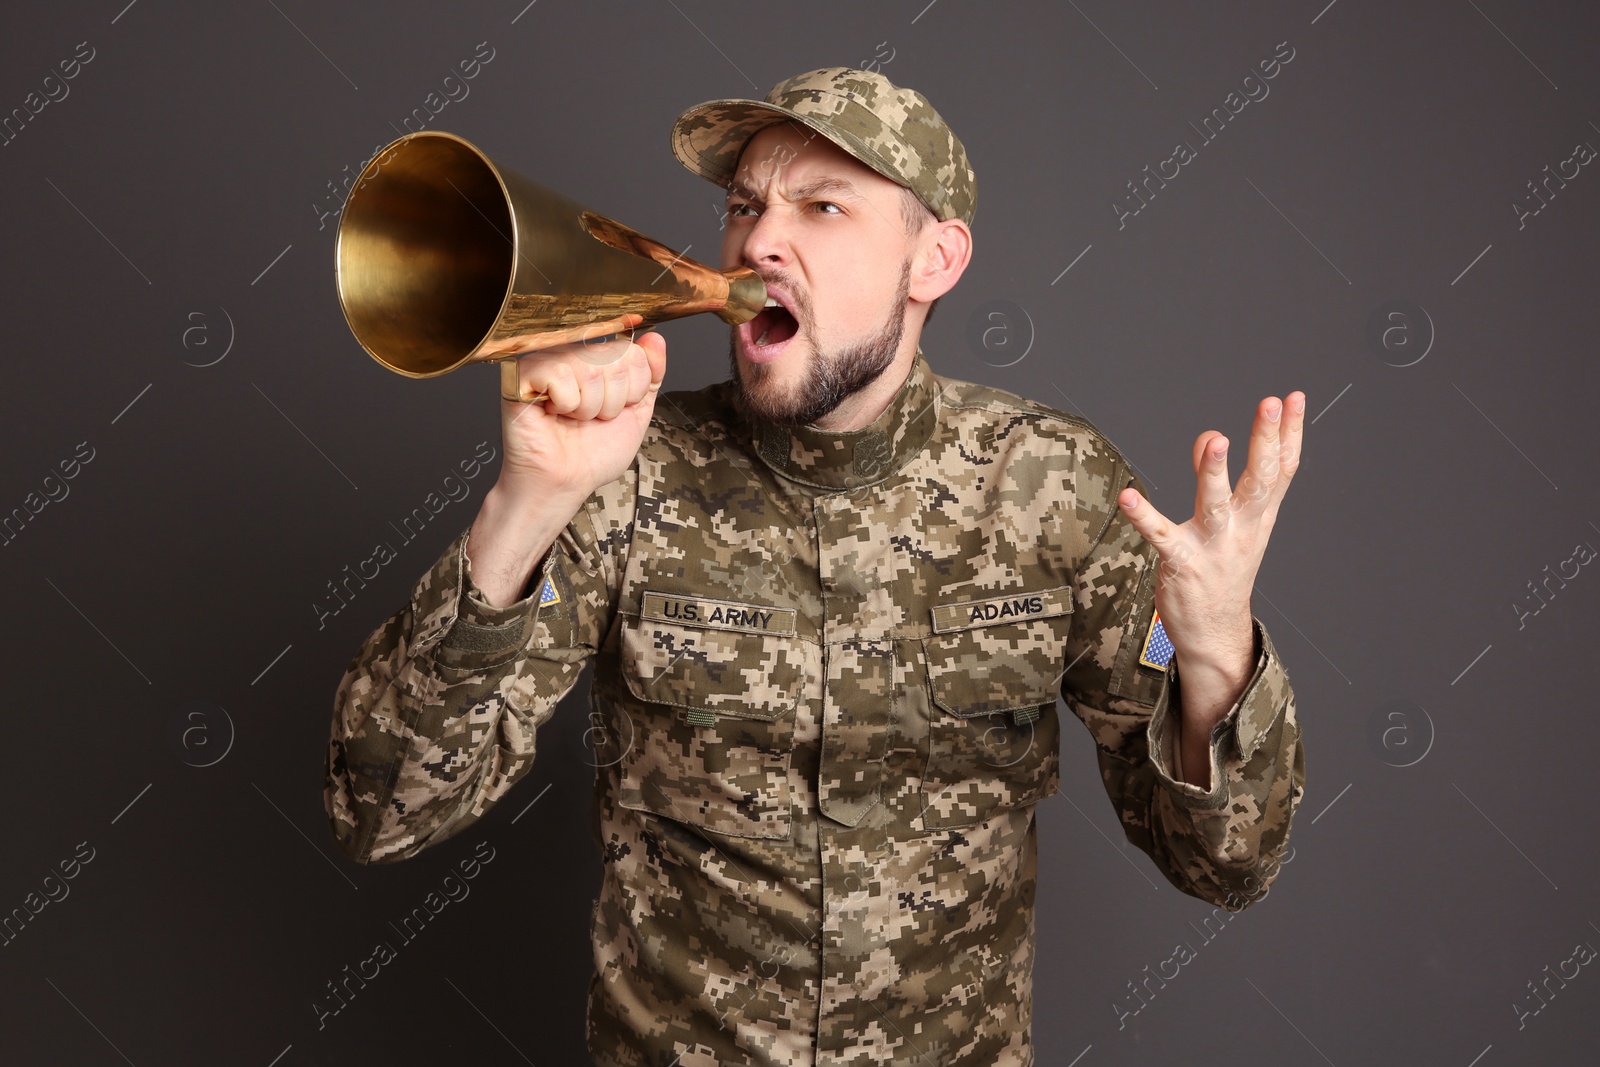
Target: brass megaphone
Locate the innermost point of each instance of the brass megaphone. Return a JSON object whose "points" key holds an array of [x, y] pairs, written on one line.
{"points": [[445, 258]]}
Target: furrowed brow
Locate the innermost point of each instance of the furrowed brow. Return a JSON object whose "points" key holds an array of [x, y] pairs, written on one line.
{"points": [[836, 186]]}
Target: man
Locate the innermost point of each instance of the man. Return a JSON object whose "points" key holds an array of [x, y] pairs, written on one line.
{"points": [[830, 604]]}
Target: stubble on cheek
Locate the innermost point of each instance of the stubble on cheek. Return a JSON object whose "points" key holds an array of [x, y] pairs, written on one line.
{"points": [[825, 379]]}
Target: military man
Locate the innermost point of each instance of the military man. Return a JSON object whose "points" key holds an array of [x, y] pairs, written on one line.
{"points": [[830, 604]]}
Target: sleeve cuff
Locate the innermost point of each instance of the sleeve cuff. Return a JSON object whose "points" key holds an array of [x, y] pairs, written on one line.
{"points": [[482, 635], [452, 620], [1235, 737], [475, 606]]}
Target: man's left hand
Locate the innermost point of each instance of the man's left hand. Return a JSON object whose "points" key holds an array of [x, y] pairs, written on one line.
{"points": [[1209, 563]]}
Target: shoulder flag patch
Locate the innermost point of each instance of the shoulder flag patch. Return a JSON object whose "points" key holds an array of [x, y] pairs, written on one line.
{"points": [[1157, 651], [548, 594]]}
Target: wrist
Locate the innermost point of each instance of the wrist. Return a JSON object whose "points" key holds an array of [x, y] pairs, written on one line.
{"points": [[1228, 657], [1210, 686], [524, 494], [511, 534], [519, 496]]}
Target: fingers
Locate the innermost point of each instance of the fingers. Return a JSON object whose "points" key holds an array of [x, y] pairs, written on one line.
{"points": [[561, 384], [1259, 484], [655, 347], [594, 381], [1213, 495], [1173, 547], [1294, 425], [614, 379], [1151, 524]]}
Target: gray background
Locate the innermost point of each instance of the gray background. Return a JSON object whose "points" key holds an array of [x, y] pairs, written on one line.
{"points": [[175, 206]]}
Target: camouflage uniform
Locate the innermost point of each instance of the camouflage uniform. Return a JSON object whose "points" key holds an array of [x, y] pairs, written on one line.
{"points": [[826, 665]]}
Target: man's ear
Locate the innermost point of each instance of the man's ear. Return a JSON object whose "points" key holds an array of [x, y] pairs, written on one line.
{"points": [[945, 249]]}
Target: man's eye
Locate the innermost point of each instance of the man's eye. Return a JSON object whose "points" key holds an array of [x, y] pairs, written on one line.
{"points": [[738, 210], [820, 204]]}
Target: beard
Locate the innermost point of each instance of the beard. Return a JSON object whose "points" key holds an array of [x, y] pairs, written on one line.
{"points": [[830, 378]]}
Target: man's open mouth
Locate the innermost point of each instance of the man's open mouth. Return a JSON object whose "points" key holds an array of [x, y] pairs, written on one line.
{"points": [[773, 326], [765, 337]]}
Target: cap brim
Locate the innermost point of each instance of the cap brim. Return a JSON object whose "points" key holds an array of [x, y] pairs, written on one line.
{"points": [[708, 138]]}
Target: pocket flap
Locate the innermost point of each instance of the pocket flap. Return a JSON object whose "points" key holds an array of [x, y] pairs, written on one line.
{"points": [[998, 654], [723, 659]]}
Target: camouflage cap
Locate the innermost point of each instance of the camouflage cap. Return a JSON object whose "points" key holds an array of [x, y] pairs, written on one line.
{"points": [[894, 131]]}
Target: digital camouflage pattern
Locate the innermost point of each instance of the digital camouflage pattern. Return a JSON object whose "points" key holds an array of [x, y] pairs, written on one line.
{"points": [[827, 667], [894, 131]]}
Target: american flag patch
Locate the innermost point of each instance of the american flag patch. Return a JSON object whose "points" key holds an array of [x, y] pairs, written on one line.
{"points": [[548, 594], [1158, 649]]}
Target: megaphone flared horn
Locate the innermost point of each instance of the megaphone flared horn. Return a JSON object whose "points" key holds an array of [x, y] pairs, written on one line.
{"points": [[446, 258]]}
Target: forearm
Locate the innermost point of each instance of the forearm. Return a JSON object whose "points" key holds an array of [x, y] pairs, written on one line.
{"points": [[514, 530], [1225, 841], [377, 744], [399, 711], [1212, 685], [435, 717], [434, 720]]}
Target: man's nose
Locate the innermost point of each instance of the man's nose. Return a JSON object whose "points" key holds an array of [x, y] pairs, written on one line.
{"points": [[767, 241]]}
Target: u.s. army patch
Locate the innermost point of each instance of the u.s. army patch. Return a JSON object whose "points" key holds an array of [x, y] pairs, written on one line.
{"points": [[547, 593], [704, 612], [1157, 651]]}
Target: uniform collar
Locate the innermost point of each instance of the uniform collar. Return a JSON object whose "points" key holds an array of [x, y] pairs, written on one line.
{"points": [[855, 458]]}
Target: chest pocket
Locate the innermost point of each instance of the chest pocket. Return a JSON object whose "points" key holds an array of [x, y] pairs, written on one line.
{"points": [[994, 671], [717, 684]]}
